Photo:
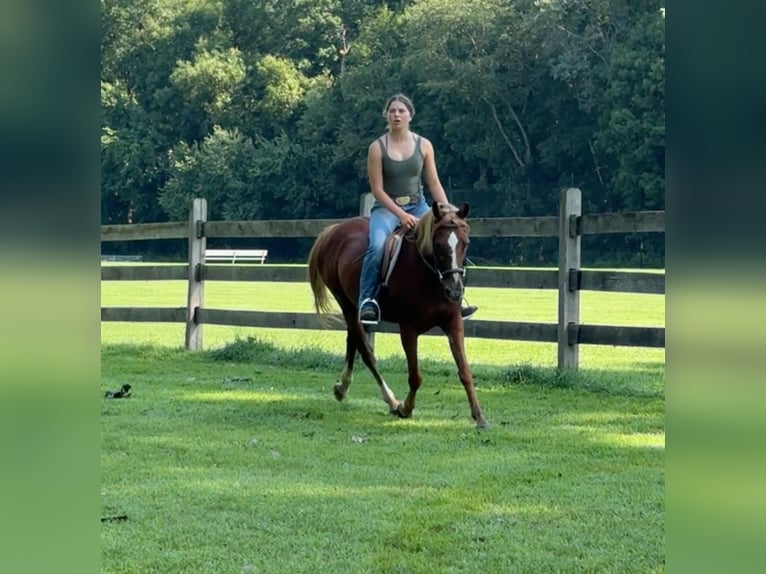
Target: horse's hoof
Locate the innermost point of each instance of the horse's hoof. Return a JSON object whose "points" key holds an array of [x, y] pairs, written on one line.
{"points": [[399, 412], [338, 391], [483, 425]]}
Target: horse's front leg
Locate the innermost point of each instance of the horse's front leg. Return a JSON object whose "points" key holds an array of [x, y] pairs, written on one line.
{"points": [[457, 346], [409, 338]]}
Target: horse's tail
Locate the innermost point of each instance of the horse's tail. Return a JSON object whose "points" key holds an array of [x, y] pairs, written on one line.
{"points": [[322, 302]]}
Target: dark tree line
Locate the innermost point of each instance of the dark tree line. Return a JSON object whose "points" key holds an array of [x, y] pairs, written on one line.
{"points": [[266, 108]]}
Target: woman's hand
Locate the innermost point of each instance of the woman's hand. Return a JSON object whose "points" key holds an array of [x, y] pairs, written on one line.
{"points": [[408, 221]]}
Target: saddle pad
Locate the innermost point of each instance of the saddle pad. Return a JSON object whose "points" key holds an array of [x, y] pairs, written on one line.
{"points": [[391, 254]]}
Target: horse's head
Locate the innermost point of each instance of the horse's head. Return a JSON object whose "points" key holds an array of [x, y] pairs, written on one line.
{"points": [[442, 238]]}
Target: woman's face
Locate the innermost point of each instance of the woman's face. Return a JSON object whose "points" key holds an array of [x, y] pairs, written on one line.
{"points": [[398, 115]]}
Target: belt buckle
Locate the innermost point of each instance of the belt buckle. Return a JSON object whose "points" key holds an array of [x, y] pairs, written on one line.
{"points": [[403, 200]]}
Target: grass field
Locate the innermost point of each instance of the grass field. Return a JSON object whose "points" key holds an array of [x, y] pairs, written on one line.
{"points": [[238, 459], [495, 304]]}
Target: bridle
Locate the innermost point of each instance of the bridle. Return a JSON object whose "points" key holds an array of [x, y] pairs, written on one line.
{"points": [[433, 266]]}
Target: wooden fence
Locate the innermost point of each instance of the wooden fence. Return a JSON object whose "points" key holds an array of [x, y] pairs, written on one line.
{"points": [[569, 280]]}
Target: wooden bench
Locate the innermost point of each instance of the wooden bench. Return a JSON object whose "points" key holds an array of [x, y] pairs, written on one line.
{"points": [[118, 258], [234, 255]]}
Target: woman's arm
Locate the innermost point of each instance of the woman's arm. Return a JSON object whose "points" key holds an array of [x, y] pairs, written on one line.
{"points": [[431, 175]]}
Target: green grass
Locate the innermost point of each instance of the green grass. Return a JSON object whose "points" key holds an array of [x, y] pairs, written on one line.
{"points": [[238, 458], [495, 304]]}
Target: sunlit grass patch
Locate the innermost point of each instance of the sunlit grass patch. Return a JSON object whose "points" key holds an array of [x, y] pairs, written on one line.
{"points": [[641, 440]]}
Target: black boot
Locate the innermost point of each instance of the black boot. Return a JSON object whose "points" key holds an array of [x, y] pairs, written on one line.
{"points": [[468, 311], [369, 313]]}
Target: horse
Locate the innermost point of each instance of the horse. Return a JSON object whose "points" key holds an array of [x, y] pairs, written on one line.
{"points": [[423, 291]]}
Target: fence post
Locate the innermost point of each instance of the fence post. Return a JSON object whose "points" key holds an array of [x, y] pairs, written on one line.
{"points": [[196, 291], [570, 211], [365, 206]]}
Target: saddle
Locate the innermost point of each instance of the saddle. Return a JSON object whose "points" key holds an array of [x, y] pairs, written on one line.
{"points": [[391, 252]]}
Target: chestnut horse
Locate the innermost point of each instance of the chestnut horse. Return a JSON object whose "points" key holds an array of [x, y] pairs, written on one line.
{"points": [[423, 291]]}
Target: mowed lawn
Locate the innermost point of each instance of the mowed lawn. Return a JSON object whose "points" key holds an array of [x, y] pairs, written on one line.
{"points": [[238, 458]]}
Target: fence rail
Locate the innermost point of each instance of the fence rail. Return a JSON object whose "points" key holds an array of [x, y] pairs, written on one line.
{"points": [[623, 222], [569, 280], [614, 281]]}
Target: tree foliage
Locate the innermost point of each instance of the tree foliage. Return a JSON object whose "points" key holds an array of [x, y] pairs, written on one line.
{"points": [[267, 107]]}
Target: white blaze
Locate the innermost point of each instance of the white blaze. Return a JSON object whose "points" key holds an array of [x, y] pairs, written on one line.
{"points": [[452, 241]]}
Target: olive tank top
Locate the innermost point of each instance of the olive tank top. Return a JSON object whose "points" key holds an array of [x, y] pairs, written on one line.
{"points": [[401, 178]]}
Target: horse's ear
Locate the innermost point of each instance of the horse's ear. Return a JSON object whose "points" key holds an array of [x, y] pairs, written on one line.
{"points": [[463, 211], [436, 208]]}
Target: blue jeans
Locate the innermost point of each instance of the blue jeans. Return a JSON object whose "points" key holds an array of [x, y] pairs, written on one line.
{"points": [[382, 223]]}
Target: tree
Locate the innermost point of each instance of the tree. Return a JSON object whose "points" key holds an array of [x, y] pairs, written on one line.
{"points": [[221, 169], [632, 130], [131, 165], [268, 106], [208, 85]]}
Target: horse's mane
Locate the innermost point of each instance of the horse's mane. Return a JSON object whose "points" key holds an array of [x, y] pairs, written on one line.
{"points": [[424, 230]]}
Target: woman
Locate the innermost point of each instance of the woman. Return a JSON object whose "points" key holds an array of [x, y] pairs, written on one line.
{"points": [[395, 162]]}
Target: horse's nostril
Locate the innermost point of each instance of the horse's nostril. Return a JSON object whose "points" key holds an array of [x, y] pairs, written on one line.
{"points": [[454, 294]]}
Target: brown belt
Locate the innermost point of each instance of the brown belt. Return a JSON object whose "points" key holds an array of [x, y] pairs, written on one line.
{"points": [[405, 200]]}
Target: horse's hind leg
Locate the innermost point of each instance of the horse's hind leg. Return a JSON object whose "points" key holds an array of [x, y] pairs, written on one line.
{"points": [[341, 387], [357, 336]]}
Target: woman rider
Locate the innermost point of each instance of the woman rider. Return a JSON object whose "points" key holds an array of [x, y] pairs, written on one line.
{"points": [[395, 162]]}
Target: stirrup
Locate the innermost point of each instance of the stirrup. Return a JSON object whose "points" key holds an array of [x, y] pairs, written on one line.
{"points": [[369, 321]]}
